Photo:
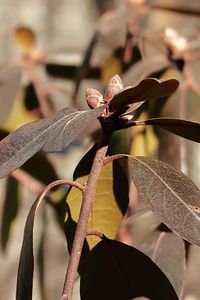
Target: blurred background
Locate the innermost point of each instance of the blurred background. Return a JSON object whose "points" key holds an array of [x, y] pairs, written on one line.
{"points": [[66, 61]]}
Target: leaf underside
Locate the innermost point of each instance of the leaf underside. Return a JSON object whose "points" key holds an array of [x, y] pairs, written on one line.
{"points": [[173, 197]]}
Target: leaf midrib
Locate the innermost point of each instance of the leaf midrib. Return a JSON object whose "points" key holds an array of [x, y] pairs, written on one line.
{"points": [[171, 190]]}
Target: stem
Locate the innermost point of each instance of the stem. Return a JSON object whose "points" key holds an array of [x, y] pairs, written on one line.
{"points": [[81, 230]]}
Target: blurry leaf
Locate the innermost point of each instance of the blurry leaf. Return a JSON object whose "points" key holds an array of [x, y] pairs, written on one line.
{"points": [[187, 129], [116, 271], [10, 209], [50, 135], [9, 83], [141, 225], [173, 197], [110, 201], [153, 46], [144, 68], [82, 71], [26, 262], [191, 72], [147, 89], [167, 250], [24, 38], [30, 98], [178, 7], [41, 168]]}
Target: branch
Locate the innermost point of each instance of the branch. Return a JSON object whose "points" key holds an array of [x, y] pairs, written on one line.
{"points": [[81, 230]]}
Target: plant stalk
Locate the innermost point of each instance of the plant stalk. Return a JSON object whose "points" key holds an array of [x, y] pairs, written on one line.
{"points": [[81, 230]]}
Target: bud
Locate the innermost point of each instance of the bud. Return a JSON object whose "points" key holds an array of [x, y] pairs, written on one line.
{"points": [[114, 86], [94, 98]]}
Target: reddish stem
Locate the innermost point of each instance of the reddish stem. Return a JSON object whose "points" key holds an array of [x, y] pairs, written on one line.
{"points": [[81, 230]]}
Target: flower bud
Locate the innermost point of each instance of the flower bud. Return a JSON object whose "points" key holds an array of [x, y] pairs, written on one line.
{"points": [[114, 86], [94, 98]]}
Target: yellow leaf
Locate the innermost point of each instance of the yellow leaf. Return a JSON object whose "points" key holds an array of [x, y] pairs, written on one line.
{"points": [[106, 215], [25, 39]]}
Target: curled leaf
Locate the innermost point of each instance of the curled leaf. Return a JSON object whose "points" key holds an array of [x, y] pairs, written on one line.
{"points": [[147, 89]]}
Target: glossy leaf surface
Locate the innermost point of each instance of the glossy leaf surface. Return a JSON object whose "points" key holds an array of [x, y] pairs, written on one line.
{"points": [[166, 249], [173, 197], [187, 129], [49, 135], [147, 89], [117, 271]]}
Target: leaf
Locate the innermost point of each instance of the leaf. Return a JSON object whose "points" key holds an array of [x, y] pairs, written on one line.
{"points": [[191, 72], [41, 168], [117, 271], [10, 210], [167, 250], [49, 135], [187, 129], [144, 68], [9, 84], [26, 262], [110, 201], [178, 7], [173, 197], [141, 225], [147, 89], [25, 39]]}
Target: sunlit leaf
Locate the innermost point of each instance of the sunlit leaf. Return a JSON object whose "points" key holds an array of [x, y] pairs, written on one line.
{"points": [[110, 201], [9, 83], [167, 250], [173, 197], [24, 38], [50, 135], [187, 129], [123, 273], [147, 89], [10, 210]]}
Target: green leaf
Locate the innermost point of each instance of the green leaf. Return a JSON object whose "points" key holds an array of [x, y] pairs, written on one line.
{"points": [[116, 271], [110, 201], [26, 262], [173, 197], [147, 89], [187, 129], [10, 210], [167, 250], [50, 135]]}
